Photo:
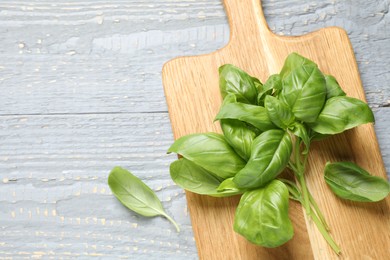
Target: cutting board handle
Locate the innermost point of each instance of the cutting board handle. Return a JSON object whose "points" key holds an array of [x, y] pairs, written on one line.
{"points": [[246, 18]]}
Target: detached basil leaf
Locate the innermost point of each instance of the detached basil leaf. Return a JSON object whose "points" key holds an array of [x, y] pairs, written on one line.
{"points": [[342, 113], [210, 151], [333, 88], [279, 113], [272, 85], [270, 154], [251, 114], [136, 195], [194, 178], [304, 91], [349, 181], [262, 215], [238, 82], [239, 136]]}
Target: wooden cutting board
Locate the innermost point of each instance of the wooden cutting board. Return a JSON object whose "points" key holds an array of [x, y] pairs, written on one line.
{"points": [[192, 92]]}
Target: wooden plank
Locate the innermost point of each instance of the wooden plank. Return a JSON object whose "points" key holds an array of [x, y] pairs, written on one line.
{"points": [[192, 90]]}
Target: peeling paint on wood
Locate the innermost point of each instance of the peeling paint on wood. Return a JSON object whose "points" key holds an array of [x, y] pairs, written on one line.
{"points": [[81, 92]]}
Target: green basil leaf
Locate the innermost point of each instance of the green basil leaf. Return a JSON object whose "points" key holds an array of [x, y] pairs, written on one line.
{"points": [[279, 113], [194, 178], [262, 215], [272, 85], [304, 91], [236, 81], [292, 62], [251, 114], [349, 181], [333, 88], [273, 82], [228, 187], [210, 151], [229, 98], [342, 113], [270, 154], [239, 136], [299, 130], [136, 195]]}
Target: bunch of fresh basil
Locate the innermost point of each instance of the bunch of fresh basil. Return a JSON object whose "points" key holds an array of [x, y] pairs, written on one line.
{"points": [[266, 129]]}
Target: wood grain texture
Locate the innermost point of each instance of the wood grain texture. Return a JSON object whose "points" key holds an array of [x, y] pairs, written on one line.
{"points": [[81, 91], [192, 92]]}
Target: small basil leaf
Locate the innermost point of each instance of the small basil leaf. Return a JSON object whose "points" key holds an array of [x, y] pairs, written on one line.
{"points": [[349, 181], [262, 215], [136, 195], [299, 130], [194, 178], [272, 85], [304, 91], [228, 187], [274, 82], [292, 62], [279, 113], [251, 114], [236, 81], [229, 98], [210, 151], [333, 88], [342, 113], [270, 154], [239, 136]]}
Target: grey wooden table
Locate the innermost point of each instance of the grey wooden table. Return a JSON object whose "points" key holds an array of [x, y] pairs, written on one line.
{"points": [[81, 92]]}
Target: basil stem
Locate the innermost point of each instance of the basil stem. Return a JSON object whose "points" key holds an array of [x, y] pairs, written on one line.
{"points": [[311, 208]]}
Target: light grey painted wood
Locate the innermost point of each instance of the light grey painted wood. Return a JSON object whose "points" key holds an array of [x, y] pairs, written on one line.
{"points": [[80, 92], [54, 196]]}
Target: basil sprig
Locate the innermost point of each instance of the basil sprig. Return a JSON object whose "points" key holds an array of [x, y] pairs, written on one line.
{"points": [[268, 128]]}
